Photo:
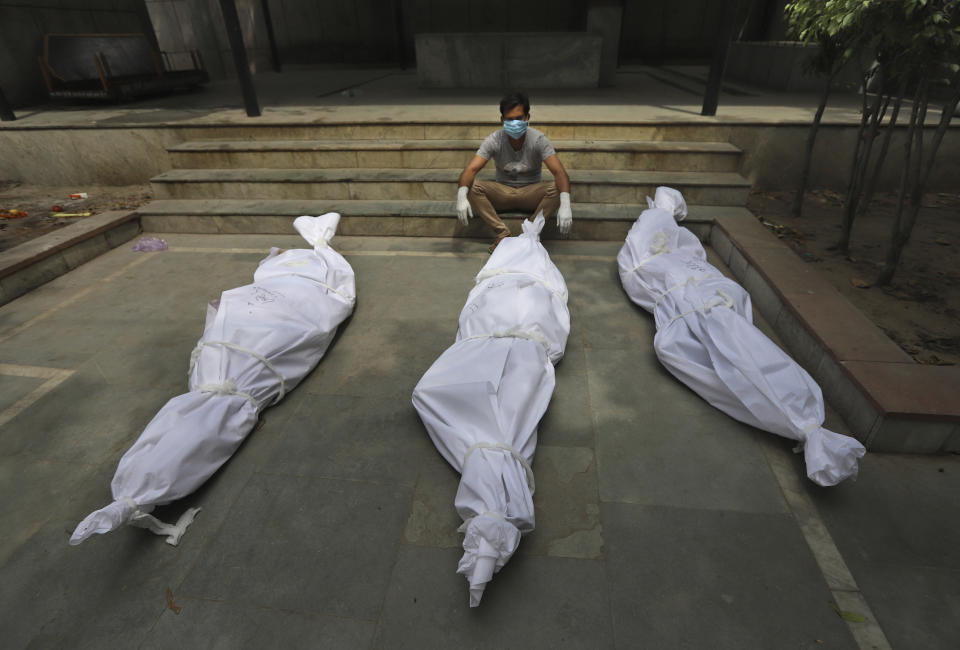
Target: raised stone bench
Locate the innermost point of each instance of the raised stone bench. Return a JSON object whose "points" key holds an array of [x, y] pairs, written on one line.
{"points": [[890, 402], [509, 60], [36, 262]]}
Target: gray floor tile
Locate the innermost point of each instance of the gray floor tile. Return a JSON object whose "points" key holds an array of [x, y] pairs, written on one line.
{"points": [[386, 440], [682, 578], [154, 354], [433, 519], [895, 512], [226, 626], [106, 593], [567, 504], [43, 490], [534, 602], [567, 421], [87, 419], [414, 287], [916, 606], [13, 389], [601, 310], [311, 545], [385, 359], [659, 443]]}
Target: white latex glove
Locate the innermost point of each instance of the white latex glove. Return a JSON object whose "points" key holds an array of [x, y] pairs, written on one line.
{"points": [[464, 211], [564, 215]]}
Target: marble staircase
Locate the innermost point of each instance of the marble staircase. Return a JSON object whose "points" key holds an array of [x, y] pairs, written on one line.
{"points": [[400, 184]]}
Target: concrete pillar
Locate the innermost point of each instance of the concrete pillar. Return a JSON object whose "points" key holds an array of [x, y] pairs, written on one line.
{"points": [[604, 18]]}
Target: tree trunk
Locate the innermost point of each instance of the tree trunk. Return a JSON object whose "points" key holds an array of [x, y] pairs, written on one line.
{"points": [[808, 153], [860, 161], [882, 156], [899, 233]]}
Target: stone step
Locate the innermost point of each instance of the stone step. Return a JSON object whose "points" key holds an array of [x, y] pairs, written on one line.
{"points": [[461, 130], [430, 154], [589, 186], [597, 221]]}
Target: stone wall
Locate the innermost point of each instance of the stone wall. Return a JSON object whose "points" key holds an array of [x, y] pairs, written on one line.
{"points": [[373, 31], [24, 22], [672, 31]]}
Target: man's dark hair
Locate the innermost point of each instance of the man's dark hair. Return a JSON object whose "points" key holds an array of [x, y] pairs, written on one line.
{"points": [[514, 99]]}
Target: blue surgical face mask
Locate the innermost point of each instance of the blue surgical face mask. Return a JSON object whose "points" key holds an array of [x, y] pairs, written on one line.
{"points": [[515, 128]]}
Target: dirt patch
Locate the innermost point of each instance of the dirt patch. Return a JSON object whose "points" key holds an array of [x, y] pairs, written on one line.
{"points": [[920, 310], [39, 202]]}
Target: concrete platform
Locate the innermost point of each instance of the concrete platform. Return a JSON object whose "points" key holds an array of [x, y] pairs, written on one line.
{"points": [[661, 522]]}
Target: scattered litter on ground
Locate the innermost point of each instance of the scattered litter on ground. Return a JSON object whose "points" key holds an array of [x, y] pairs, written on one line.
{"points": [[45, 206], [79, 195], [61, 215], [174, 607], [150, 245], [860, 284], [13, 214]]}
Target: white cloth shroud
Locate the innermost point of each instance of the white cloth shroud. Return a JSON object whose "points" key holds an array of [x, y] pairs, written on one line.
{"points": [[482, 399], [257, 344], [706, 338]]}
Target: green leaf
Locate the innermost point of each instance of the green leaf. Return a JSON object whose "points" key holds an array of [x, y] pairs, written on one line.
{"points": [[852, 617]]}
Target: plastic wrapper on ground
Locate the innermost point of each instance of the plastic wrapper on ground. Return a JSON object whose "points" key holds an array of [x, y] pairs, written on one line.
{"points": [[706, 338], [259, 342], [482, 400]]}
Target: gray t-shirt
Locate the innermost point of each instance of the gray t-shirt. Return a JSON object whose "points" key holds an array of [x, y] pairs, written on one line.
{"points": [[517, 168]]}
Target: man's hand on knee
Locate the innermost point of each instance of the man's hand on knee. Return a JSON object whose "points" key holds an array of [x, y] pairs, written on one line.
{"points": [[564, 214], [464, 211]]}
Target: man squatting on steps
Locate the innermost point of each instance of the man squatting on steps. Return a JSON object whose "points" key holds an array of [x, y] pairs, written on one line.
{"points": [[518, 152]]}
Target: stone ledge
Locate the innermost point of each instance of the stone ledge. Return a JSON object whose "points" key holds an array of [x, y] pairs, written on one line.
{"points": [[604, 146], [890, 402], [33, 263], [403, 175]]}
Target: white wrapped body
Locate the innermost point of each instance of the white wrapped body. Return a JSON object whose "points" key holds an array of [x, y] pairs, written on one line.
{"points": [[258, 343], [482, 400], [706, 338]]}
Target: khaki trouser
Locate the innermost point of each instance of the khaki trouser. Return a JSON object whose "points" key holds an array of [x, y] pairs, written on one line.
{"points": [[486, 197]]}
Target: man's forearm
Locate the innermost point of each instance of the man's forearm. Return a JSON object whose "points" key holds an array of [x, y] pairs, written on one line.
{"points": [[563, 182], [466, 178]]}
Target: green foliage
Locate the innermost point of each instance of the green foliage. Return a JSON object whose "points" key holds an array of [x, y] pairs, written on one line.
{"points": [[912, 39]]}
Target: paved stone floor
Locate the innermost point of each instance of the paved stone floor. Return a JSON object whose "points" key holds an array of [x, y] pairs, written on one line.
{"points": [[661, 523], [316, 94]]}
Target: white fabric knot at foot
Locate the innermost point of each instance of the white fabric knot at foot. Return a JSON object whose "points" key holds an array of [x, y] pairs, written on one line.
{"points": [[173, 532], [807, 430]]}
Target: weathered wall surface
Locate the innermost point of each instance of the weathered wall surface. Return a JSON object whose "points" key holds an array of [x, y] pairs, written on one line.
{"points": [[24, 22]]}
